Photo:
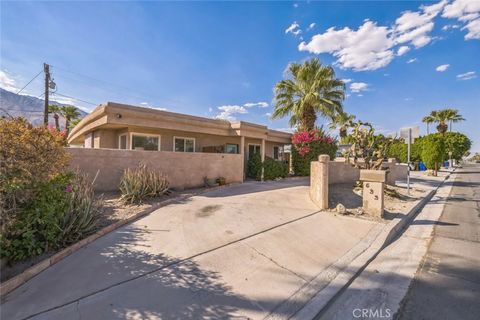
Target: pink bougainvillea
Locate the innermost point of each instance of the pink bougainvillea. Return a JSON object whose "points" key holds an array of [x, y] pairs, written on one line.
{"points": [[301, 140]]}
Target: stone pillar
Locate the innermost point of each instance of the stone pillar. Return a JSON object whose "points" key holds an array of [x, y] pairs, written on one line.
{"points": [[319, 181], [373, 191]]}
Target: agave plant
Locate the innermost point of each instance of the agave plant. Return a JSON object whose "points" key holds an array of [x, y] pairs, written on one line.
{"points": [[141, 183], [82, 215]]}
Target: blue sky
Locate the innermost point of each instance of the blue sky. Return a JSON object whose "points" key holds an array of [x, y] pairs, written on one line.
{"points": [[221, 59]]}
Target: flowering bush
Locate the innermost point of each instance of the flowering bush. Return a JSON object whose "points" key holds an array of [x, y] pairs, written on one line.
{"points": [[307, 146], [302, 140]]}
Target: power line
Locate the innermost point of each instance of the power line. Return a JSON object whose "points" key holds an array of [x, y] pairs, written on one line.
{"points": [[30, 81], [77, 99], [131, 93]]}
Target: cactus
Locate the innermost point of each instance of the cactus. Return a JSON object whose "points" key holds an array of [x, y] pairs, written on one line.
{"points": [[141, 183]]}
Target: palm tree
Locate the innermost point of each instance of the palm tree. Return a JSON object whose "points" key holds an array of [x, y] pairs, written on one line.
{"points": [[69, 113], [55, 110], [342, 121], [442, 117], [312, 88]]}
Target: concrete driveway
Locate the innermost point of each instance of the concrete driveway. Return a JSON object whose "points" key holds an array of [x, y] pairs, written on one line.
{"points": [[236, 252]]}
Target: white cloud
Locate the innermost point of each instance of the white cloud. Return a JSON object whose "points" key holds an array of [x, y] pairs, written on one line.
{"points": [[467, 76], [473, 28], [346, 80], [8, 82], [294, 29], [228, 112], [450, 26], [260, 104], [358, 86], [144, 103], [367, 48], [408, 99], [295, 5], [442, 68], [359, 95], [371, 46], [411, 60], [288, 130], [402, 50], [210, 109], [311, 26], [467, 11], [268, 114]]}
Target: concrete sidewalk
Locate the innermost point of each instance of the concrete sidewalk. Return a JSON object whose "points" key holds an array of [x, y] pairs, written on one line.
{"points": [[377, 292], [235, 252]]}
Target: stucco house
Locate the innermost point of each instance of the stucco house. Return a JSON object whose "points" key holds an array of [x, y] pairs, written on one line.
{"points": [[119, 126]]}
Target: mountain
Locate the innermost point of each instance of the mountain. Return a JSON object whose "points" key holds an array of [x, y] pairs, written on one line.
{"points": [[28, 107]]}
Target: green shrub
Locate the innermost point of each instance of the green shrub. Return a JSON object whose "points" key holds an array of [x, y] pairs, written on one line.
{"points": [[140, 183], [399, 150], [29, 158], [457, 143], [273, 169], [254, 167], [61, 212], [433, 150], [301, 164]]}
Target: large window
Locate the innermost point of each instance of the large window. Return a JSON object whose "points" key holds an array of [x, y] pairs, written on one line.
{"points": [[231, 148], [145, 142], [252, 149], [184, 144]]}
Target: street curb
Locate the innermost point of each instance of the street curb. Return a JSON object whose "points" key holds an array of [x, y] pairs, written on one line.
{"points": [[320, 291], [15, 282]]}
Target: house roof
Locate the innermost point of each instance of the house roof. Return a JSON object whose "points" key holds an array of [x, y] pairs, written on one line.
{"points": [[116, 115]]}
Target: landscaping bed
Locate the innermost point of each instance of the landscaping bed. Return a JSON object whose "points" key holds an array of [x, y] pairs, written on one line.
{"points": [[113, 210], [397, 200]]}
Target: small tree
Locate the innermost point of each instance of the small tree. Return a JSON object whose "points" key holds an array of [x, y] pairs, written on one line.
{"points": [[254, 166], [70, 113], [433, 151], [457, 143]]}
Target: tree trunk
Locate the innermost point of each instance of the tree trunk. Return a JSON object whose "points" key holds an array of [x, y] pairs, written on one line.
{"points": [[57, 123], [67, 124], [428, 131], [308, 118], [435, 171]]}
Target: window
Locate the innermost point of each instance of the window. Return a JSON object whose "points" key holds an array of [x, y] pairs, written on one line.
{"points": [[122, 141], [252, 149], [184, 144], [231, 148], [278, 153], [145, 142]]}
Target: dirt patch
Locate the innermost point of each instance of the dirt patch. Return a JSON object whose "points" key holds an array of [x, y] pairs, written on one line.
{"points": [[397, 200], [208, 210]]}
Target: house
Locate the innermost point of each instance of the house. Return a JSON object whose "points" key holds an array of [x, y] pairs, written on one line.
{"points": [[125, 127], [120, 126]]}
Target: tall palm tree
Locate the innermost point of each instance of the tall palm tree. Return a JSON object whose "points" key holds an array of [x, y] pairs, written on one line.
{"points": [[310, 89], [442, 117], [55, 110], [69, 113], [342, 121]]}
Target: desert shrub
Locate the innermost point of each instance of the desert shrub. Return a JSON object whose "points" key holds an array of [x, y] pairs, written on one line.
{"points": [[254, 167], [29, 157], [457, 143], [140, 183], [307, 146], [433, 150], [61, 211], [273, 169], [83, 210]]}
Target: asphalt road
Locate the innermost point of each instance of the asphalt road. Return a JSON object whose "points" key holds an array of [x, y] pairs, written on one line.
{"points": [[447, 286]]}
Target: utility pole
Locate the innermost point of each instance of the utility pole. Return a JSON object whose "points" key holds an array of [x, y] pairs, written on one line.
{"points": [[46, 70]]}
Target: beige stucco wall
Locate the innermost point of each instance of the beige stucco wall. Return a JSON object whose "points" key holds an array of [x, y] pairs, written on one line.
{"points": [[184, 170], [340, 172]]}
